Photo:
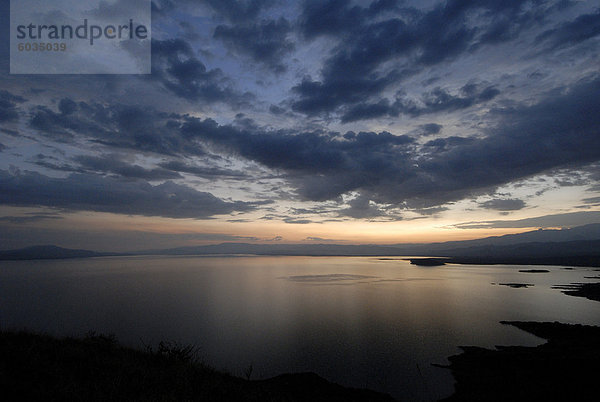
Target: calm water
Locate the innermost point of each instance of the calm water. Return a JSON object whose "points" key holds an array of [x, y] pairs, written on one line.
{"points": [[358, 321]]}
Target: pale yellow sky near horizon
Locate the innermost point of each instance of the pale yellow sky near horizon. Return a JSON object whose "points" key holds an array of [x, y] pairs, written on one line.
{"points": [[112, 232]]}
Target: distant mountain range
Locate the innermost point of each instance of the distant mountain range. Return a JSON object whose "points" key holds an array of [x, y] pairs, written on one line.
{"points": [[586, 232], [566, 246], [48, 253]]}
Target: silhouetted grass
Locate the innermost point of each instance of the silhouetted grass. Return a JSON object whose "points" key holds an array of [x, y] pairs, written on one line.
{"points": [[37, 367]]}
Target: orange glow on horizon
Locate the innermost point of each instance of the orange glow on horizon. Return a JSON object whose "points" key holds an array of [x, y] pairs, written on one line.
{"points": [[345, 232]]}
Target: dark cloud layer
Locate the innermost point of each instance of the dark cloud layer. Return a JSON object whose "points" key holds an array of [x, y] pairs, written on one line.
{"points": [[30, 218], [385, 61], [176, 67], [360, 208], [237, 10], [558, 131], [8, 106], [579, 30], [557, 220], [370, 37], [503, 204], [354, 159], [200, 171], [111, 164], [522, 140], [525, 140], [436, 101], [81, 192], [117, 126], [230, 10], [265, 42]]}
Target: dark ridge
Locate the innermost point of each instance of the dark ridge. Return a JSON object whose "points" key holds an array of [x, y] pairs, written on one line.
{"points": [[534, 271], [572, 261], [563, 369], [36, 367], [428, 262], [516, 285], [48, 253]]}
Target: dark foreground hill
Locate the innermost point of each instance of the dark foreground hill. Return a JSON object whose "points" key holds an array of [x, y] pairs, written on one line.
{"points": [[42, 368], [565, 368]]}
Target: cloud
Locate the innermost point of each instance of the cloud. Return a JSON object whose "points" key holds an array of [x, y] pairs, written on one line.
{"points": [[67, 106], [8, 106], [321, 165], [365, 111], [558, 220], [189, 31], [581, 29], [319, 239], [265, 42], [431, 210], [117, 126], [487, 70], [105, 164], [200, 171], [84, 192], [502, 204], [436, 101], [525, 140], [361, 208], [112, 164], [440, 100], [276, 110], [332, 17], [177, 69], [443, 144], [239, 10], [53, 163], [7, 131], [57, 126], [117, 9], [30, 218], [4, 33], [61, 232], [521, 141], [340, 87], [297, 221], [295, 151], [592, 201], [431, 128], [359, 67]]}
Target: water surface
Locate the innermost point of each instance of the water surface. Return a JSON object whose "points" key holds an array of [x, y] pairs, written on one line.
{"points": [[358, 321]]}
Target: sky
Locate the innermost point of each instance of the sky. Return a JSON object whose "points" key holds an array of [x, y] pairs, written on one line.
{"points": [[318, 121]]}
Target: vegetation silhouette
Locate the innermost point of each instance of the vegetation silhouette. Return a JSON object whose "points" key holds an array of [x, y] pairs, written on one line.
{"points": [[39, 367]]}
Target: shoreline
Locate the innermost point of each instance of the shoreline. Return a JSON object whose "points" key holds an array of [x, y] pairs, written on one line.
{"points": [[591, 261], [573, 261]]}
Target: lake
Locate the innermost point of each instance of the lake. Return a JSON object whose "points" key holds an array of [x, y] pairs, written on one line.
{"points": [[358, 321]]}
